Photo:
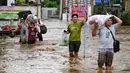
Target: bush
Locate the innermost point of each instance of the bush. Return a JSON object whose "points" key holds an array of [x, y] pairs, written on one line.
{"points": [[125, 18], [98, 9], [49, 3]]}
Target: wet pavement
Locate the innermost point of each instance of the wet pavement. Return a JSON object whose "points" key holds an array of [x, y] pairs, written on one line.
{"points": [[48, 57]]}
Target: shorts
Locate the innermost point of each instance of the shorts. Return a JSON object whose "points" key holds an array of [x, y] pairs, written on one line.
{"points": [[105, 58], [31, 41], [74, 46]]}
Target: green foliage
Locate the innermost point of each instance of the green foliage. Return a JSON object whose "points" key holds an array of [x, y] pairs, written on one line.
{"points": [[18, 2], [125, 18], [98, 9], [23, 3], [116, 1], [50, 3]]}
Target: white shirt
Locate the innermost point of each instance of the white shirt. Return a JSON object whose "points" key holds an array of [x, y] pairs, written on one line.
{"points": [[105, 36]]}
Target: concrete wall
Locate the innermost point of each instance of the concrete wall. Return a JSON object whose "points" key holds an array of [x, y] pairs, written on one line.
{"points": [[9, 2], [45, 12]]}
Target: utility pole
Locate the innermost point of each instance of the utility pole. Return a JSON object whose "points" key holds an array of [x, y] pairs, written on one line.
{"points": [[39, 8], [61, 9], [67, 10], [92, 5]]}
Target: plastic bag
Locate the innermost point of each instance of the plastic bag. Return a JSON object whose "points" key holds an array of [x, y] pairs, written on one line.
{"points": [[43, 29], [99, 19], [32, 18], [65, 39]]}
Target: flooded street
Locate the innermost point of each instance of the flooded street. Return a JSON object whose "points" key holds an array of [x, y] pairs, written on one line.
{"points": [[48, 57]]}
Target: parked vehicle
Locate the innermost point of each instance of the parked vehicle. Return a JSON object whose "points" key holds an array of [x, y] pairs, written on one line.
{"points": [[6, 30]]}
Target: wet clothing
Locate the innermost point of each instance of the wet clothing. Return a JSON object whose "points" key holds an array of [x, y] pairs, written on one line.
{"points": [[105, 58], [74, 46], [31, 41], [24, 33], [105, 37], [75, 36], [106, 52], [31, 34], [74, 30]]}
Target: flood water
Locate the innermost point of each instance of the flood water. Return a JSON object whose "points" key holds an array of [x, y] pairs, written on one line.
{"points": [[48, 57]]}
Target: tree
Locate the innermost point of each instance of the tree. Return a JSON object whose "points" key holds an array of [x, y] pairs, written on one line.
{"points": [[50, 3], [92, 5], [127, 6], [98, 9], [127, 9]]}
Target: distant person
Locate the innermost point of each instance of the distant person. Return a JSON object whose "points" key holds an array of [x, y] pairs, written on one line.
{"points": [[106, 53], [19, 27], [38, 22], [32, 31]]}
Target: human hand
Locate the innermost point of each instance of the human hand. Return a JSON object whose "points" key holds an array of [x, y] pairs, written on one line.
{"points": [[65, 31]]}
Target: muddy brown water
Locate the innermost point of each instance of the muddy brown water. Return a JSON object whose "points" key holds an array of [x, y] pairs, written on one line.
{"points": [[48, 57]]}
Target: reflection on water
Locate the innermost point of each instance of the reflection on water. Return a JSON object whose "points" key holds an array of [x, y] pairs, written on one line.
{"points": [[73, 71], [106, 71], [100, 71]]}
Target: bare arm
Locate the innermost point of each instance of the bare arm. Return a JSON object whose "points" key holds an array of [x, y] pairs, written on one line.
{"points": [[85, 20], [36, 28], [119, 21], [67, 32], [94, 30], [25, 22], [82, 22]]}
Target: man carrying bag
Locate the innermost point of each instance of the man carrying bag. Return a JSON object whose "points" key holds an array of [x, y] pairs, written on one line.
{"points": [[107, 42]]}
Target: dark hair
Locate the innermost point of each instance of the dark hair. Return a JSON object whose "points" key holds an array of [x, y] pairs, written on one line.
{"points": [[33, 23], [111, 18], [74, 15]]}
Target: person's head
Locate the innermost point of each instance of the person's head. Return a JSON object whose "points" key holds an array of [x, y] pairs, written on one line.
{"points": [[32, 24], [74, 17], [108, 23]]}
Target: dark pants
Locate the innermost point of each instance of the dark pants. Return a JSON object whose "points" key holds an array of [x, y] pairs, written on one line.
{"points": [[74, 46], [40, 36], [31, 41]]}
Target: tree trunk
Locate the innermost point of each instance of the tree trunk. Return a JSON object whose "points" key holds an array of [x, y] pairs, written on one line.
{"points": [[61, 9], [92, 5], [26, 1], [102, 2], [127, 6]]}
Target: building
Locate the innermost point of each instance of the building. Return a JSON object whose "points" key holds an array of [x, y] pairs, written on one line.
{"points": [[7, 10], [9, 2], [76, 6]]}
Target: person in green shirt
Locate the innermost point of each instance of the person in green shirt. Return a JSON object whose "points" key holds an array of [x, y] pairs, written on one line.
{"points": [[74, 29]]}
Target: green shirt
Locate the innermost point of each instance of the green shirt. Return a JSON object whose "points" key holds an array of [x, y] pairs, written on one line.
{"points": [[74, 30]]}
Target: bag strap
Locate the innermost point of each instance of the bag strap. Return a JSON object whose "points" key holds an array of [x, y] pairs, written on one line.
{"points": [[111, 34], [39, 21]]}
